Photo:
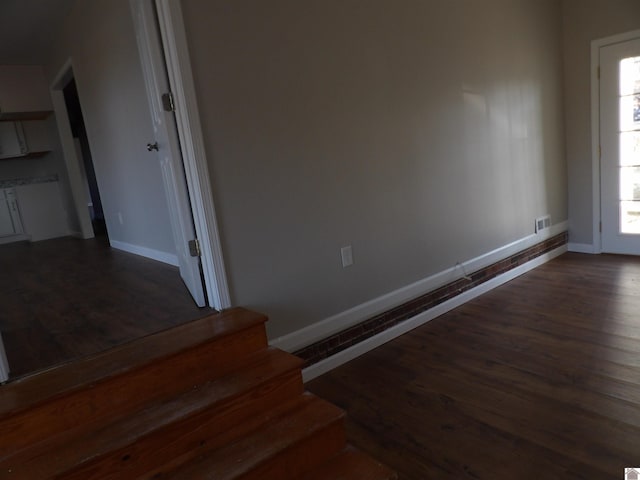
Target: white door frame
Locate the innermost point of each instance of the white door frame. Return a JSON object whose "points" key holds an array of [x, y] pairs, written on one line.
{"points": [[176, 54], [596, 45], [75, 172]]}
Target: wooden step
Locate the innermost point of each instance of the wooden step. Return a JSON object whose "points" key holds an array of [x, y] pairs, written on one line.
{"points": [[285, 448], [87, 393], [177, 429], [206, 400], [350, 464]]}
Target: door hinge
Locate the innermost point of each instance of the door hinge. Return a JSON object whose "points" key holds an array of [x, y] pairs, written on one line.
{"points": [[600, 226], [598, 71], [194, 248], [167, 102], [600, 151]]}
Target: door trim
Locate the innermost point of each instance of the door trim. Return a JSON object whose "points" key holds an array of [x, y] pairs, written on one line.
{"points": [[596, 45], [77, 179], [196, 168]]}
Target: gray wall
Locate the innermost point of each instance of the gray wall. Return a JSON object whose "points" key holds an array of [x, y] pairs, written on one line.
{"points": [[99, 37], [584, 21], [421, 132]]}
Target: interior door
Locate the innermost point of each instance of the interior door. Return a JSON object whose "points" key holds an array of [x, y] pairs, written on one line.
{"points": [[166, 145], [620, 147]]}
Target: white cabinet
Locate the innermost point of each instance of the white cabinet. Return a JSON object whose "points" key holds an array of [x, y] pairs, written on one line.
{"points": [[6, 223], [41, 210], [12, 141], [38, 135], [10, 222], [23, 90], [25, 139]]}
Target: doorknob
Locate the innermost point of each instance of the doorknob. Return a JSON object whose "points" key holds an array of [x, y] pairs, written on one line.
{"points": [[152, 146]]}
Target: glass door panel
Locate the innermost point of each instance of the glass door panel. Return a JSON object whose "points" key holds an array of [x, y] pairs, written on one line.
{"points": [[629, 155]]}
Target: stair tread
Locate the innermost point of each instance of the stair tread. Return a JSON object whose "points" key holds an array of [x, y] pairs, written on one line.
{"points": [[351, 464], [310, 416], [65, 451], [38, 388], [208, 400]]}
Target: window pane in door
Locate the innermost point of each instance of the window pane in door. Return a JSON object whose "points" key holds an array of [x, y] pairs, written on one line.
{"points": [[629, 113], [630, 76], [629, 149], [629, 217], [630, 183]]}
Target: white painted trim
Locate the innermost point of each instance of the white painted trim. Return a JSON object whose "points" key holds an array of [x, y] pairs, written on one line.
{"points": [[163, 257], [192, 142], [4, 363], [343, 320], [596, 45], [369, 344], [18, 237], [77, 180], [582, 248], [595, 149]]}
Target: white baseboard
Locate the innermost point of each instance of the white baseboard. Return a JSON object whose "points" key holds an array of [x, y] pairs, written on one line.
{"points": [[582, 248], [343, 320], [370, 343], [163, 257], [14, 238]]}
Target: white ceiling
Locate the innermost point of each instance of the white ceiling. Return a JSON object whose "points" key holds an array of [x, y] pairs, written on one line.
{"points": [[27, 29]]}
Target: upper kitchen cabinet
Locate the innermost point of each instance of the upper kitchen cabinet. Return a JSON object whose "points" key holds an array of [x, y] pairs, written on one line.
{"points": [[12, 141], [24, 94]]}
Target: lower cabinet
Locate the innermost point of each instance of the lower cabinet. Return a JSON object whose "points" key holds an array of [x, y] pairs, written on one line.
{"points": [[41, 211], [10, 222]]}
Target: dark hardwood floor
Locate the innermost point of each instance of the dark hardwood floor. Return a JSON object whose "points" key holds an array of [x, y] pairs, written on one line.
{"points": [[538, 379], [66, 298]]}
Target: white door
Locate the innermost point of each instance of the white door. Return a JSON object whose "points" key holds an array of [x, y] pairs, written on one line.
{"points": [[166, 145], [620, 146]]}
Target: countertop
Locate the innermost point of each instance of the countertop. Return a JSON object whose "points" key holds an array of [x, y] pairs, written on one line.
{"points": [[27, 181]]}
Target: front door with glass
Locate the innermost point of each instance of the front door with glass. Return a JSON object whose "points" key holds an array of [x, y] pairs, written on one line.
{"points": [[620, 146]]}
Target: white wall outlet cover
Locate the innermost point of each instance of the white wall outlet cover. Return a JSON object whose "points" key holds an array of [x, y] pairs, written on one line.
{"points": [[347, 256]]}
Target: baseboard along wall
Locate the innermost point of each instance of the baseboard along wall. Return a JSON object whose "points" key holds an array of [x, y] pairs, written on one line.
{"points": [[581, 248], [163, 257], [345, 339]]}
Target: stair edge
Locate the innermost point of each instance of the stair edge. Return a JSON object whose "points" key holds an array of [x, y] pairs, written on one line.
{"points": [[19, 396]]}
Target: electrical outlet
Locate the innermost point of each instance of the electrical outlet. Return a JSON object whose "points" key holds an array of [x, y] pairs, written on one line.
{"points": [[347, 256]]}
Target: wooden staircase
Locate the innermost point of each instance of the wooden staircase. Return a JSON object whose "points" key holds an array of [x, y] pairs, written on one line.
{"points": [[206, 400]]}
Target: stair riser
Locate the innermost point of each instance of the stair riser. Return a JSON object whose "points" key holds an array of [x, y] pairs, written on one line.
{"points": [[303, 456], [130, 390], [182, 441], [350, 465]]}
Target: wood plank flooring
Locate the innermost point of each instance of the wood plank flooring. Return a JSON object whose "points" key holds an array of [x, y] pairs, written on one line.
{"points": [[66, 298], [539, 378]]}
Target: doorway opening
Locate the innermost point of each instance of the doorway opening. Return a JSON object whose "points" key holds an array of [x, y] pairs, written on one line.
{"points": [[83, 152]]}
